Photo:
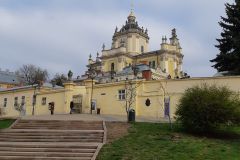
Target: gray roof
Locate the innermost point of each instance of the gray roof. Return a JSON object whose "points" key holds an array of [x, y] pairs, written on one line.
{"points": [[8, 77], [45, 85], [18, 88], [141, 67], [49, 85]]}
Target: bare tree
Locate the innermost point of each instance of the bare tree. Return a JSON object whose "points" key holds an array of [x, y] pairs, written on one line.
{"points": [[130, 94], [59, 79], [20, 108], [32, 74]]}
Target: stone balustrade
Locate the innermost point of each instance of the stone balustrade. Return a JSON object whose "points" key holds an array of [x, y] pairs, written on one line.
{"points": [[113, 51]]}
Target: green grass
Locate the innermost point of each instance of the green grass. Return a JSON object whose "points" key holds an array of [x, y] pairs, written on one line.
{"points": [[6, 123], [147, 141]]}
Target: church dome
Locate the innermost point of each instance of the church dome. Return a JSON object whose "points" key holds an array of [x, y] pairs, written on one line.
{"points": [[131, 26]]}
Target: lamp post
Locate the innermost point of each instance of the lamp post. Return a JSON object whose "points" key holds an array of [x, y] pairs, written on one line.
{"points": [[37, 86], [91, 74]]}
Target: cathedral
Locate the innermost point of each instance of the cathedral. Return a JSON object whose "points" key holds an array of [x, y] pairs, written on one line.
{"points": [[129, 56], [126, 76]]}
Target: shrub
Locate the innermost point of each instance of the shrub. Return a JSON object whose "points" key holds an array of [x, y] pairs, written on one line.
{"points": [[202, 109]]}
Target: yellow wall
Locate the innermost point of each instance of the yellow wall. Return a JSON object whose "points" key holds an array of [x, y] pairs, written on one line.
{"points": [[106, 96], [119, 63], [10, 110], [171, 68], [56, 96], [148, 59], [133, 42], [5, 85]]}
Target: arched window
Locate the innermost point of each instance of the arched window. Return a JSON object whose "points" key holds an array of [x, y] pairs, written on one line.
{"points": [[112, 67], [142, 49]]}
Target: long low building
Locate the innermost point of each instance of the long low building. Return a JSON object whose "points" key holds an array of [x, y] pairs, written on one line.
{"points": [[147, 98]]}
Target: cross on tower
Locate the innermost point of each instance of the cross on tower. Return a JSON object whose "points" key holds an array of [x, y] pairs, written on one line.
{"points": [[132, 6]]}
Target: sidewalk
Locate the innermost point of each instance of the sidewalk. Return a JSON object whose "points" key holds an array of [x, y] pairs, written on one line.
{"points": [[94, 117]]}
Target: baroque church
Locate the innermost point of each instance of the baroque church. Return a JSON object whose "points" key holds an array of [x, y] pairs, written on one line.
{"points": [[129, 56]]}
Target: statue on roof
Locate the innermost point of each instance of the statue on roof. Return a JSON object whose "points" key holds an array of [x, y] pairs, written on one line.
{"points": [[70, 74], [146, 31], [103, 47], [174, 33], [90, 56]]}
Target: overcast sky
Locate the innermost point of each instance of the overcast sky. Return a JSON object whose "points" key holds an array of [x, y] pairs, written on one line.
{"points": [[59, 35]]}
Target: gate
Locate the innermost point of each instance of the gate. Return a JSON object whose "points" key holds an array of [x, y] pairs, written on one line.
{"points": [[77, 104]]}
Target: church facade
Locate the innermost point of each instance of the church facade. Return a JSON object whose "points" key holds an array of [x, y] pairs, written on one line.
{"points": [[130, 51]]}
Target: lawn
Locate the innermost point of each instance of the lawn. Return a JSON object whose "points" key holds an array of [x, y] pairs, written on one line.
{"points": [[6, 123], [147, 141]]}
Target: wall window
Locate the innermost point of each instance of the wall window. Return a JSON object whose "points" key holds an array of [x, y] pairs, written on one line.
{"points": [[44, 101], [23, 100], [16, 101], [34, 99], [121, 94], [5, 102], [112, 67], [152, 64], [142, 49]]}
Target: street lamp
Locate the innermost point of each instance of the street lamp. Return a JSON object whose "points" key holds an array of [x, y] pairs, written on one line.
{"points": [[91, 74], [34, 98]]}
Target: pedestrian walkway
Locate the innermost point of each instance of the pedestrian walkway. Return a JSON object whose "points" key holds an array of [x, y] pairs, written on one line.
{"points": [[52, 140], [94, 117]]}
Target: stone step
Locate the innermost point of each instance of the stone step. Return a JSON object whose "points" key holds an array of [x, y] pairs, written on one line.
{"points": [[45, 154], [50, 131], [38, 132], [68, 150], [42, 158], [50, 136], [22, 135], [66, 124], [56, 124], [52, 121], [59, 128], [81, 124], [50, 145], [50, 140]]}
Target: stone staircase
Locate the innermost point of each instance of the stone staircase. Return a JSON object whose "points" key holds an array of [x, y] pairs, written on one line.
{"points": [[52, 140]]}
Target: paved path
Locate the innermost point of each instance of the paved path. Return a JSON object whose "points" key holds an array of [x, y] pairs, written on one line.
{"points": [[94, 117], [52, 140]]}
